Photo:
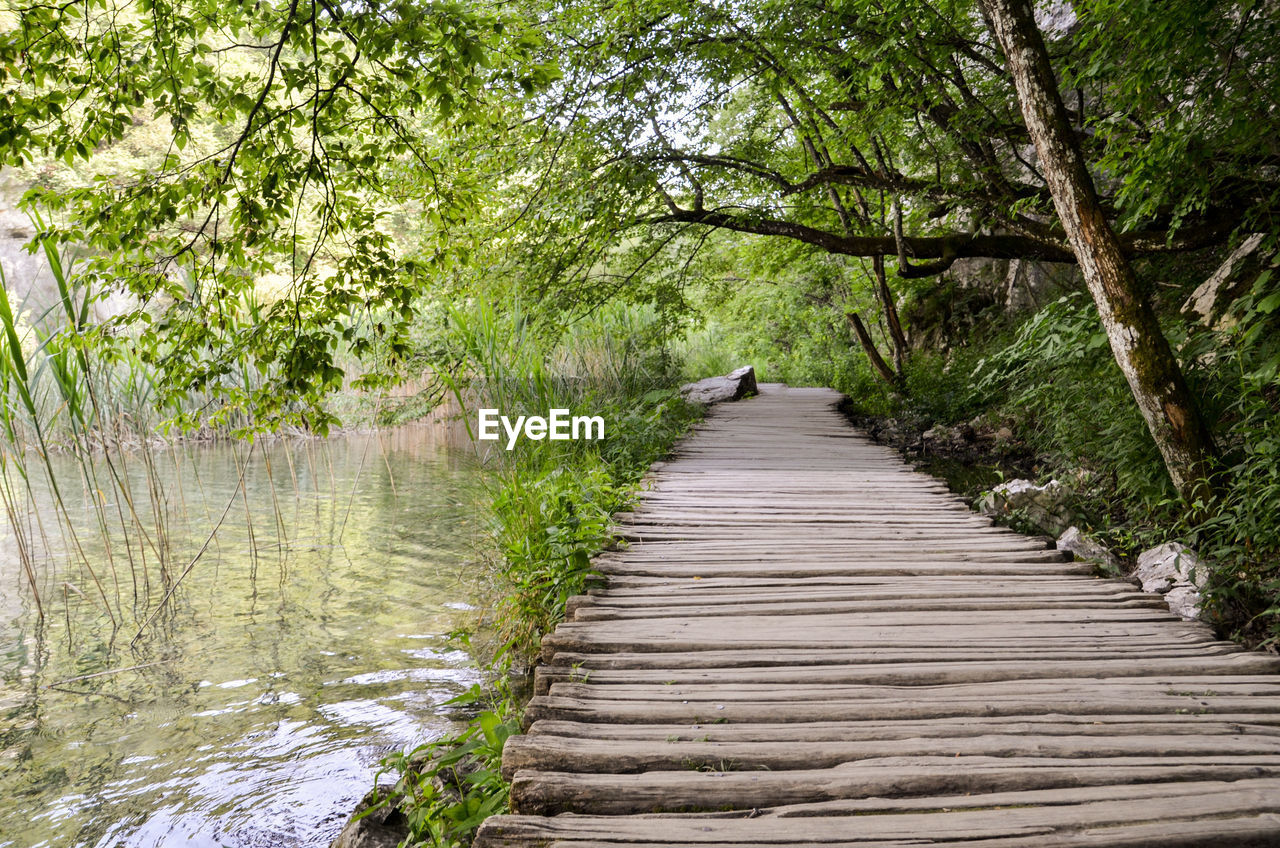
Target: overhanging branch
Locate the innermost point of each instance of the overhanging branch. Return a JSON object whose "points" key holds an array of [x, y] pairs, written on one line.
{"points": [[946, 248]]}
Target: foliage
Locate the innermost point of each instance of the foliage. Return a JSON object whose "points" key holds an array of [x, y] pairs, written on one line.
{"points": [[447, 788], [68, 385], [290, 127], [1238, 366], [552, 499], [780, 308], [1175, 93], [818, 122], [551, 507], [1053, 379], [1070, 399]]}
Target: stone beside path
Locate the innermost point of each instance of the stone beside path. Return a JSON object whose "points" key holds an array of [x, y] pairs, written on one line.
{"points": [[809, 643]]}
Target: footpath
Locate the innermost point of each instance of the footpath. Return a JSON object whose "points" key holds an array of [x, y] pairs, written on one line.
{"points": [[806, 642]]}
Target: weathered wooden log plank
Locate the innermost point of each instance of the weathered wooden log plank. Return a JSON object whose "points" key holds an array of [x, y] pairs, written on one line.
{"points": [[600, 612], [809, 657], [868, 640], [551, 793], [686, 591], [1245, 831], [606, 756], [913, 673], [906, 584], [804, 631], [728, 710], [1194, 688], [1048, 725]]}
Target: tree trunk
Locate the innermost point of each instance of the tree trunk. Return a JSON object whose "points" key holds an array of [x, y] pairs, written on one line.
{"points": [[869, 347], [890, 314], [1139, 346]]}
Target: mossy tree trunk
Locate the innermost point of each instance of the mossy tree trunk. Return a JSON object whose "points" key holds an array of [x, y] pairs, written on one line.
{"points": [[1139, 346]]}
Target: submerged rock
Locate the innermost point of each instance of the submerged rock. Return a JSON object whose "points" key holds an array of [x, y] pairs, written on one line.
{"points": [[1089, 550], [732, 386], [1044, 506], [1175, 571]]}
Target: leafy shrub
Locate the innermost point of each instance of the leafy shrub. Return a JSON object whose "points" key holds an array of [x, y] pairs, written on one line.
{"points": [[446, 789], [1236, 367], [1057, 379]]}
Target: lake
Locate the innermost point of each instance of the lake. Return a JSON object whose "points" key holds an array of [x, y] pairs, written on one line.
{"points": [[310, 637]]}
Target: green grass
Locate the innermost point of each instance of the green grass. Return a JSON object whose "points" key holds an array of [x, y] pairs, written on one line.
{"points": [[551, 504]]}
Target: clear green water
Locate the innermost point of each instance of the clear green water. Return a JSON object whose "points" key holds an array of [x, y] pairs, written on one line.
{"points": [[307, 641]]}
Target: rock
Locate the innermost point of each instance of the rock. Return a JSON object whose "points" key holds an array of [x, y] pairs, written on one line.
{"points": [[1089, 550], [1184, 600], [936, 433], [889, 430], [733, 386], [1029, 285], [942, 437], [385, 827], [1044, 506], [1175, 570], [1055, 18], [1163, 566], [1234, 275], [1004, 434]]}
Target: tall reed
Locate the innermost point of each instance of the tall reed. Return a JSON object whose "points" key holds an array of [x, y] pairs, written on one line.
{"points": [[75, 392]]}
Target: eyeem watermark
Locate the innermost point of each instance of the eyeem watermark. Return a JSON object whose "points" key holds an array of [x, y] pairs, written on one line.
{"points": [[559, 426]]}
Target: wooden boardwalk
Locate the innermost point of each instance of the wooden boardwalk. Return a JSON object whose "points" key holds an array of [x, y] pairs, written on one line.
{"points": [[809, 643]]}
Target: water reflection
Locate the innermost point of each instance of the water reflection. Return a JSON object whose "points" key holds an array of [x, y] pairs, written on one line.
{"points": [[306, 641]]}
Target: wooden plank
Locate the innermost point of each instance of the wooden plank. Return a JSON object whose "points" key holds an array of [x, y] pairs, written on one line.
{"points": [[804, 657], [1046, 725], [609, 756], [1177, 691], [698, 711], [678, 592], [1246, 831], [913, 673], [974, 817], [552, 793], [621, 584], [600, 612]]}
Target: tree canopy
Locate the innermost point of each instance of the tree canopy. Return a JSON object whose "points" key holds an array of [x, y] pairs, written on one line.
{"points": [[822, 121], [593, 146], [292, 129]]}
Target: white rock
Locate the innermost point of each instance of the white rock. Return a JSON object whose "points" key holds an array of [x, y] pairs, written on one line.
{"points": [[1084, 548], [1184, 600], [732, 386], [1043, 505], [1161, 567], [1209, 298]]}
